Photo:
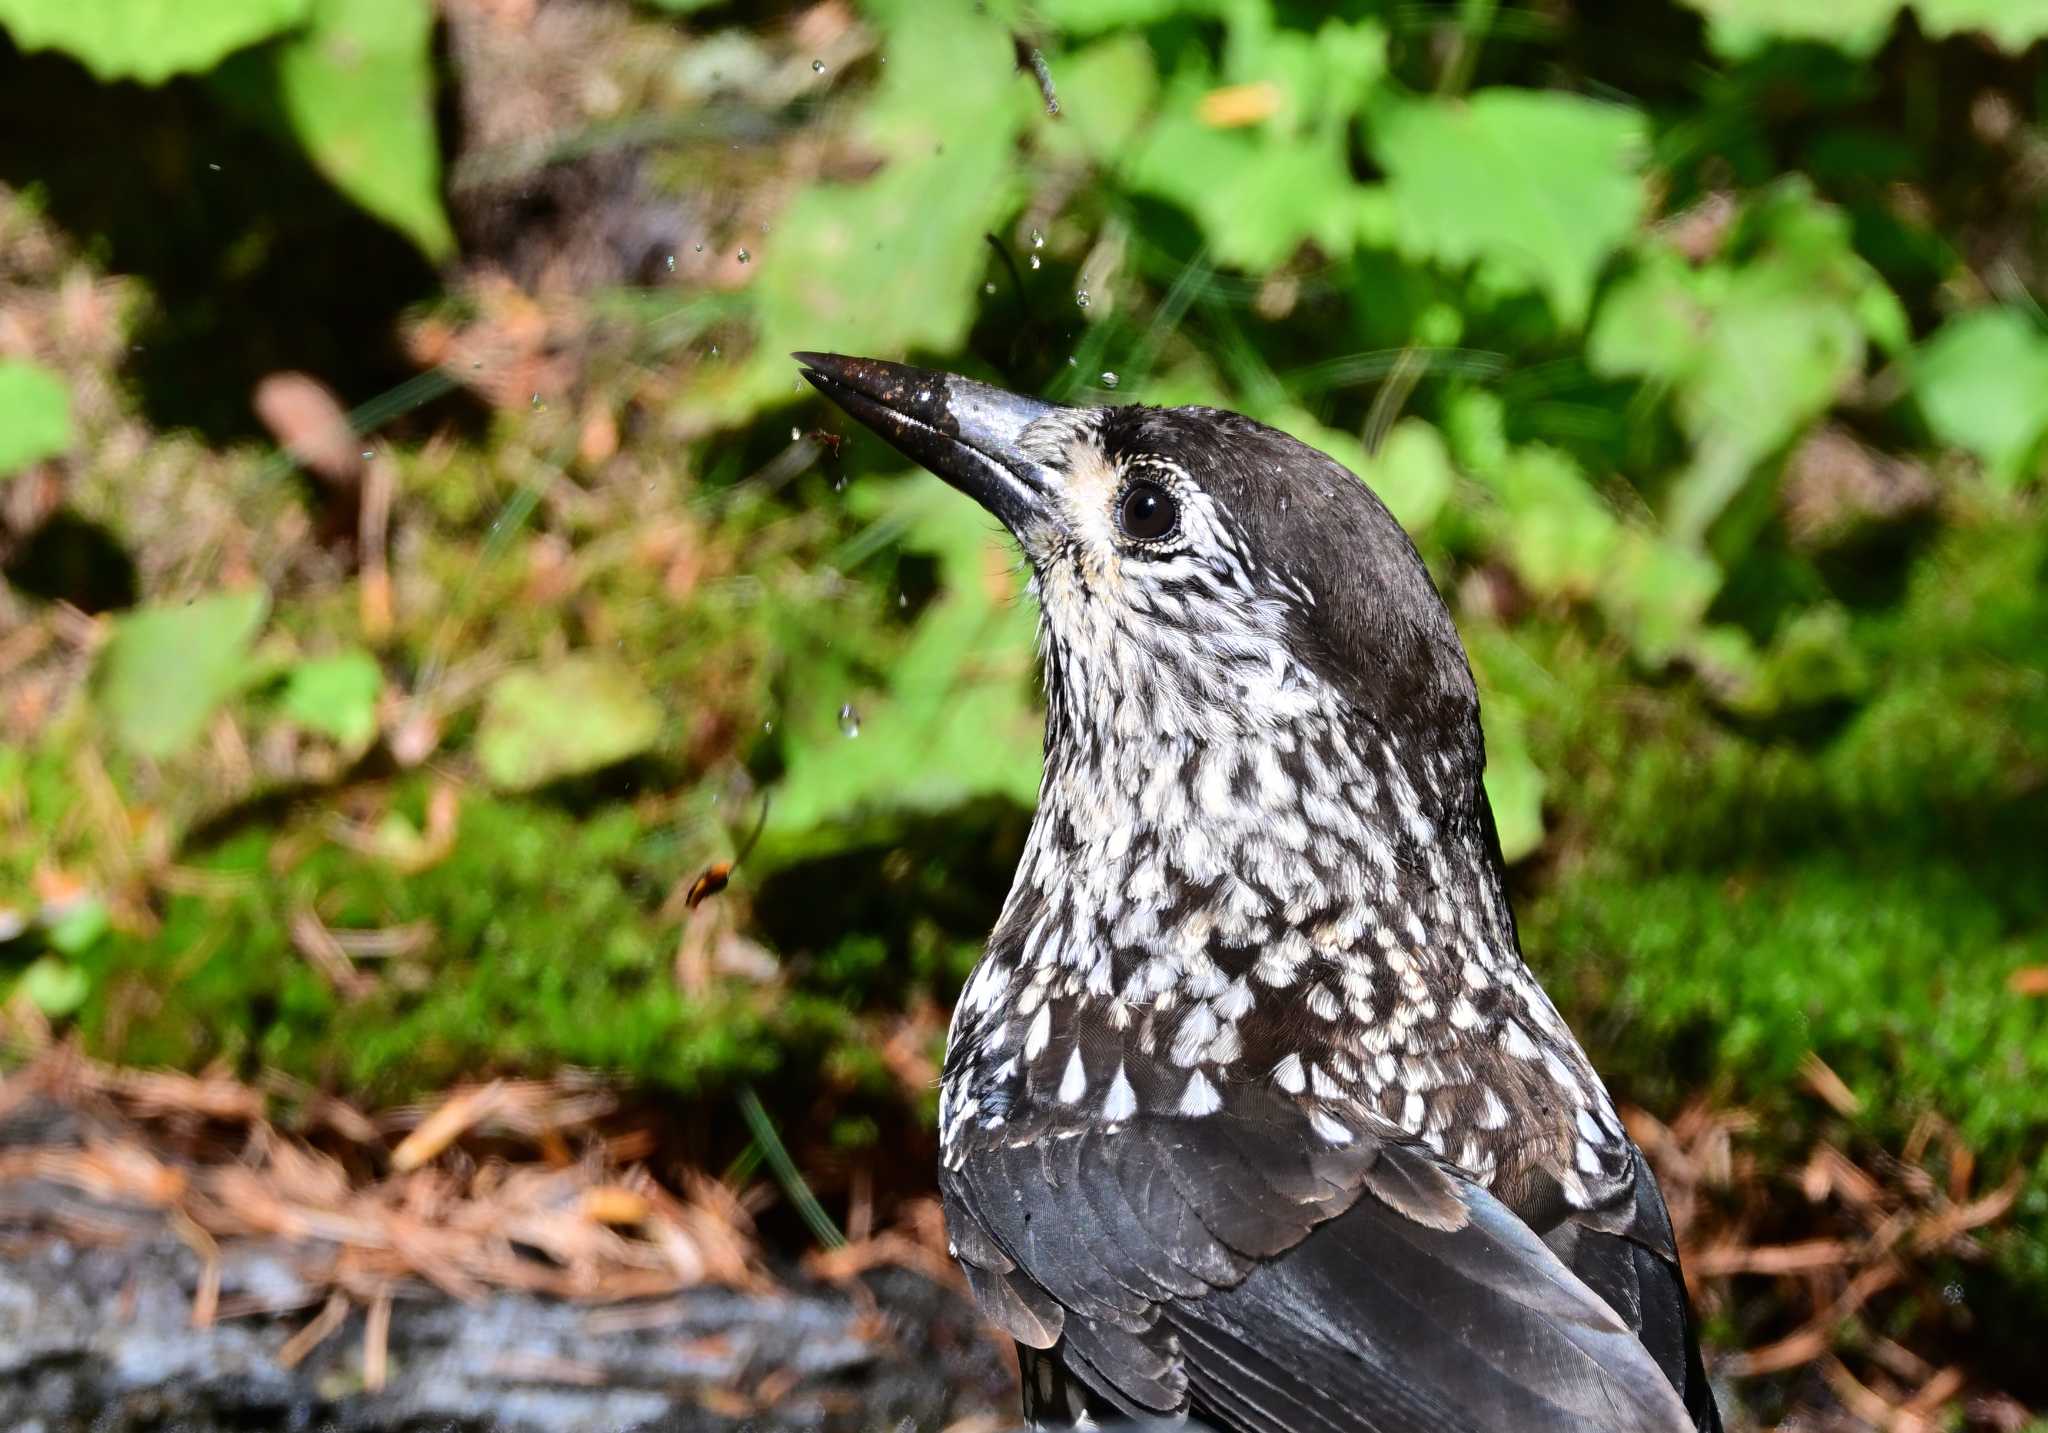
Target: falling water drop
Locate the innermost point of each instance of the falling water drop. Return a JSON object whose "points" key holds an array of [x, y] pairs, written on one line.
{"points": [[817, 67], [745, 257], [540, 404], [795, 433], [768, 728], [988, 288], [1037, 239], [849, 721], [700, 248], [1081, 299], [1034, 261], [670, 261], [903, 599], [368, 454], [1109, 380]]}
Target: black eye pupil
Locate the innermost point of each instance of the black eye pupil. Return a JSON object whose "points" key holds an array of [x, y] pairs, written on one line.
{"points": [[1146, 512]]}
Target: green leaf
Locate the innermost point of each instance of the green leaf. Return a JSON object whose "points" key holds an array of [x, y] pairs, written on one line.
{"points": [[1412, 473], [1739, 28], [956, 718], [1558, 532], [1982, 383], [896, 262], [1089, 17], [166, 669], [1543, 186], [35, 415], [1753, 348], [1514, 783], [56, 987], [1655, 593], [80, 927], [147, 40], [355, 88], [336, 696], [1105, 92], [576, 715], [2012, 24], [1260, 190]]}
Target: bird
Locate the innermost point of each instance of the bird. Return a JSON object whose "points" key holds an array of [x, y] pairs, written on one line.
{"points": [[1251, 1112]]}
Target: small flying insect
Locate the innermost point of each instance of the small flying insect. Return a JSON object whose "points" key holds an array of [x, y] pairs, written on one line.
{"points": [[714, 877]]}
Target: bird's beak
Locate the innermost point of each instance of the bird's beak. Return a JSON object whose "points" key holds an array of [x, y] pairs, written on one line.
{"points": [[966, 432]]}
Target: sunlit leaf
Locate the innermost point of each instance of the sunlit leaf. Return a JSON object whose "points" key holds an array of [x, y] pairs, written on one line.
{"points": [[336, 696], [166, 669], [1412, 473], [1655, 593], [956, 718], [1539, 184], [2012, 24], [1260, 189], [895, 261], [1514, 783], [1740, 27], [35, 415], [355, 88], [147, 40], [570, 717], [1754, 348], [1982, 383], [56, 987], [1557, 531]]}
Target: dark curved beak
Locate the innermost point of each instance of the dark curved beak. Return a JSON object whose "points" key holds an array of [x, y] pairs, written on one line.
{"points": [[966, 432]]}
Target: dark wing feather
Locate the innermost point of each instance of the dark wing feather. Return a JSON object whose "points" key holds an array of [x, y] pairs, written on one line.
{"points": [[1629, 1256], [1238, 1265]]}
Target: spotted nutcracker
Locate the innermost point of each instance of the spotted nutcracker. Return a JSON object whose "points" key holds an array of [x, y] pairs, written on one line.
{"points": [[1251, 1110]]}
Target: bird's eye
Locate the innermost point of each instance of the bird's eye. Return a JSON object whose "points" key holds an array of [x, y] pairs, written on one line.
{"points": [[1146, 512]]}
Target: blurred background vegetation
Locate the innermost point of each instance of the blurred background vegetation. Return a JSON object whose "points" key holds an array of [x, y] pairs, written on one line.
{"points": [[420, 561]]}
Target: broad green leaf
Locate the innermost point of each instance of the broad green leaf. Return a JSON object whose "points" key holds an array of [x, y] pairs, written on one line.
{"points": [[956, 719], [1982, 382], [2012, 24], [1089, 17], [1542, 186], [55, 987], [1753, 348], [147, 40], [355, 88], [1514, 783], [1105, 91], [1260, 189], [35, 415], [1558, 532], [336, 696], [1412, 473], [1738, 28], [573, 716], [80, 927], [895, 262], [166, 669], [1655, 593]]}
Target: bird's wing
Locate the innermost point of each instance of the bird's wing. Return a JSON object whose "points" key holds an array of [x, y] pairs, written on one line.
{"points": [[1241, 1265], [1628, 1254]]}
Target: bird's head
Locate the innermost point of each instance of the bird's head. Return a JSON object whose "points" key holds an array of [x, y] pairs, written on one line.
{"points": [[1201, 575]]}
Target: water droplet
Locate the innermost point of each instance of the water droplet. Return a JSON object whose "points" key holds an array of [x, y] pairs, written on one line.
{"points": [[1081, 299], [1109, 380], [849, 721], [540, 404], [745, 257], [478, 365], [988, 288], [367, 455], [700, 248], [1037, 240], [1034, 261], [1952, 1293], [671, 262], [903, 599], [1073, 363], [839, 483], [214, 167], [795, 433], [768, 728], [714, 350], [817, 67]]}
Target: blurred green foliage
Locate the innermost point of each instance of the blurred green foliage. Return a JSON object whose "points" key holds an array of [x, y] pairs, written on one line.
{"points": [[1700, 352]]}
